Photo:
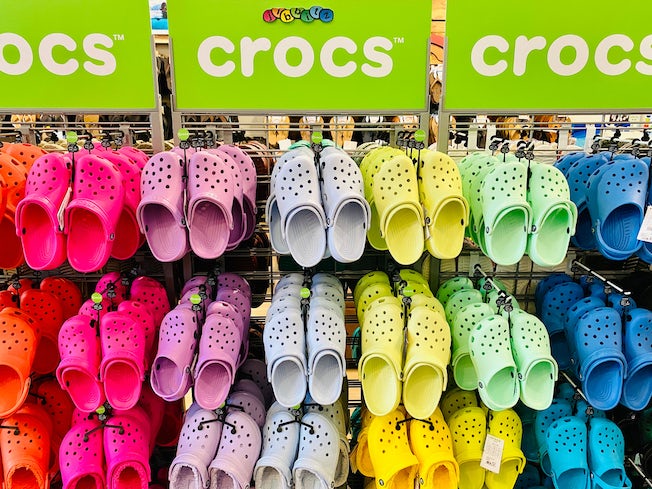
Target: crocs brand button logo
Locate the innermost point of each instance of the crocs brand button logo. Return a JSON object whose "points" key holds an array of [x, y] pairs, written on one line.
{"points": [[567, 55], [57, 54], [215, 56], [307, 15]]}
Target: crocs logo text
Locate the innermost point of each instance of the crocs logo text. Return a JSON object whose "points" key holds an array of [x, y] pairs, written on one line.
{"points": [[376, 51], [57, 54], [566, 56], [307, 15]]}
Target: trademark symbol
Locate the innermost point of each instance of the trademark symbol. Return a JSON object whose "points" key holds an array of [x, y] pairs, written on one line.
{"points": [[399, 40], [118, 37]]}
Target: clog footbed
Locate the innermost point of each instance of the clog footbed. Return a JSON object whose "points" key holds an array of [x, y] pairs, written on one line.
{"points": [[20, 338], [451, 286], [459, 300], [465, 322], [395, 466], [45, 309], [455, 399], [25, 465], [217, 361], [559, 408], [491, 354], [578, 177], [564, 163], [78, 371], [446, 210], [554, 215], [506, 213], [171, 376], [537, 369], [369, 167], [200, 437], [233, 466], [381, 362], [93, 213], [210, 203], [396, 195], [347, 212], [286, 359], [82, 456], [431, 443], [606, 454], [326, 347], [427, 356], [616, 194], [637, 390], [554, 309], [126, 449], [318, 454], [543, 286], [239, 223], [567, 447], [468, 428], [122, 369], [507, 426], [366, 280], [302, 218], [161, 212], [598, 336], [68, 293], [280, 441], [14, 176], [249, 185], [128, 237], [37, 215]]}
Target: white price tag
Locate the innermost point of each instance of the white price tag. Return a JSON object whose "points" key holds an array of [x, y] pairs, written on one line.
{"points": [[350, 145], [284, 144], [492, 454], [645, 233]]}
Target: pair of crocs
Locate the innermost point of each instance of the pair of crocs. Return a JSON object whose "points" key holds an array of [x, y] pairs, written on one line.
{"points": [[582, 457], [304, 448], [518, 208], [204, 201], [469, 428], [71, 201], [405, 354], [105, 349], [114, 454], [219, 448], [211, 336], [306, 356], [397, 216], [316, 207]]}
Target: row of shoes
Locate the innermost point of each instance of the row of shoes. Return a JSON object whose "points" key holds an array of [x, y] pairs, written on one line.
{"points": [[305, 339], [316, 207], [602, 337], [405, 343], [499, 349], [79, 206], [611, 192], [106, 348], [517, 207], [416, 202], [444, 450], [201, 200], [203, 340]]}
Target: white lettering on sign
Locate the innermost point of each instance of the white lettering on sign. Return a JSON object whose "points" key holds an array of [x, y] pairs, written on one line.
{"points": [[214, 56], [611, 56], [56, 52]]}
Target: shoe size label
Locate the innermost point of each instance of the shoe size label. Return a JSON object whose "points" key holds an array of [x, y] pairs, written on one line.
{"points": [[492, 454]]}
